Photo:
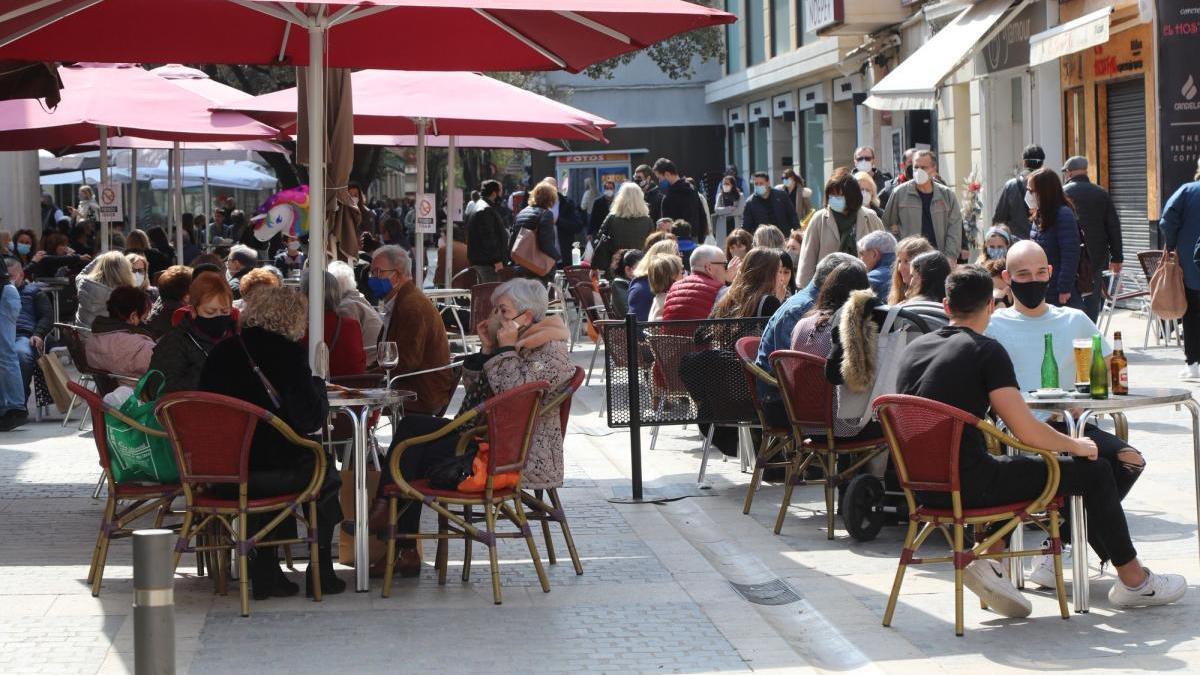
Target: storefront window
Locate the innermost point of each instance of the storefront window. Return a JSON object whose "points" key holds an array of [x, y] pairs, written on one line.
{"points": [[781, 29], [756, 35], [758, 158], [737, 144], [733, 40], [812, 129], [1076, 123]]}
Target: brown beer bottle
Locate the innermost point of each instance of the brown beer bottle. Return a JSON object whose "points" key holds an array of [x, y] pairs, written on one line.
{"points": [[1118, 367]]}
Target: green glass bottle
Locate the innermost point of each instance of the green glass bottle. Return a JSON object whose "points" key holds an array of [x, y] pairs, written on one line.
{"points": [[1099, 374], [1049, 365]]}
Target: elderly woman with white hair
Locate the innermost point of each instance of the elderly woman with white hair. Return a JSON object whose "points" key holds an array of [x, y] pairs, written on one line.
{"points": [[273, 326], [877, 250], [518, 344], [353, 305]]}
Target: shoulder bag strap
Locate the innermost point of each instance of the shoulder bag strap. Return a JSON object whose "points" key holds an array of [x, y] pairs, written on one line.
{"points": [[271, 391]]}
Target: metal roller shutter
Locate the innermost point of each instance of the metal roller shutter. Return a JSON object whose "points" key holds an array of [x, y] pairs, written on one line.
{"points": [[1127, 162]]}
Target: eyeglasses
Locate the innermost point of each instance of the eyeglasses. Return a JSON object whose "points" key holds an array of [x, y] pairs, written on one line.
{"points": [[722, 263], [864, 158], [379, 273]]}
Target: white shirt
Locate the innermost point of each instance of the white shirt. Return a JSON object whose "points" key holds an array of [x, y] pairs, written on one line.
{"points": [[1023, 338]]}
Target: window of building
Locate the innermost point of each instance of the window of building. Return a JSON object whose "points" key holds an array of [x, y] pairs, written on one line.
{"points": [[812, 138], [756, 34], [734, 50], [759, 159], [803, 37], [1073, 139], [781, 27]]}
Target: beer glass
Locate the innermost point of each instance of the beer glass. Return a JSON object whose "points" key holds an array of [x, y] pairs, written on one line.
{"points": [[1082, 349]]}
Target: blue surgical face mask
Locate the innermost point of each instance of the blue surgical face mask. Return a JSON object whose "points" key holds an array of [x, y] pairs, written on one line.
{"points": [[837, 203], [379, 287], [664, 184], [23, 248], [760, 190], [996, 252]]}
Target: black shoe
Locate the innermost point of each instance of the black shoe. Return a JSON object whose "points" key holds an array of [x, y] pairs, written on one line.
{"points": [[330, 583], [13, 419], [267, 580]]}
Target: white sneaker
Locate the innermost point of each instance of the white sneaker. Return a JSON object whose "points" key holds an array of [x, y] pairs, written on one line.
{"points": [[989, 580], [1190, 372], [1159, 589], [1043, 568]]}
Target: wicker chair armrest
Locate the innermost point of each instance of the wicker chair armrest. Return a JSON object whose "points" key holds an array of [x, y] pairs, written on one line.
{"points": [[760, 374], [289, 434], [990, 430], [117, 414]]}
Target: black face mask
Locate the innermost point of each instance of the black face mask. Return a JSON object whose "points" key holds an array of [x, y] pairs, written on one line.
{"points": [[1029, 293], [214, 327]]}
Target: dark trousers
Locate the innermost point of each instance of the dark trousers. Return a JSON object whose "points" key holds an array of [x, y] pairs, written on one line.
{"points": [[416, 462], [566, 237], [1191, 327], [1092, 301]]}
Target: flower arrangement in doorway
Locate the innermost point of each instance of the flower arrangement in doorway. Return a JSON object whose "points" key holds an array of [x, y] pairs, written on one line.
{"points": [[972, 206]]}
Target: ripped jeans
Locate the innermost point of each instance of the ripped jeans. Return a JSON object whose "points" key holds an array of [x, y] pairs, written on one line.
{"points": [[1126, 464]]}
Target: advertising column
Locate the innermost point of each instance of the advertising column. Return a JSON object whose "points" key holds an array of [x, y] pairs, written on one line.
{"points": [[1178, 93]]}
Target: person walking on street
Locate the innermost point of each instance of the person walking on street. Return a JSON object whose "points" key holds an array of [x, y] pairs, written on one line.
{"points": [[838, 226], [1057, 232], [797, 190], [926, 207], [905, 175], [1010, 208], [626, 226], [1101, 229], [769, 206], [728, 206], [1180, 229], [864, 161], [487, 237], [680, 201], [600, 207], [568, 221], [644, 176]]}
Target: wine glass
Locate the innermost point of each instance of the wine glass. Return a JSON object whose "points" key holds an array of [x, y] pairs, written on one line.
{"points": [[388, 356]]}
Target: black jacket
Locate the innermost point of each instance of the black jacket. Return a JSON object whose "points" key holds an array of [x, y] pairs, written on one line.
{"points": [[37, 312], [1011, 209], [542, 221], [180, 355], [777, 209], [304, 403], [654, 202], [682, 203], [570, 218], [487, 237], [1098, 217], [600, 209]]}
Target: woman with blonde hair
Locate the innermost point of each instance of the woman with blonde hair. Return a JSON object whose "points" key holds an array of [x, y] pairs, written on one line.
{"points": [[752, 292], [641, 296], [662, 273], [627, 224], [769, 236], [141, 271], [97, 281], [870, 193], [539, 218], [906, 249]]}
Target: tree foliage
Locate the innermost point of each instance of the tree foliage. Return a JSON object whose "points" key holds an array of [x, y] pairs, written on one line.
{"points": [[674, 56]]}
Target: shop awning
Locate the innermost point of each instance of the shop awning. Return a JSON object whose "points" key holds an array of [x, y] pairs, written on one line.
{"points": [[1073, 36], [914, 83]]}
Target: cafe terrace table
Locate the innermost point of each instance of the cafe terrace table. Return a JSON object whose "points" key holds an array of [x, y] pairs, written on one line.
{"points": [[444, 298], [1116, 406], [358, 404]]}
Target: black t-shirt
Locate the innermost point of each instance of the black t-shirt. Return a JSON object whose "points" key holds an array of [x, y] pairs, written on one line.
{"points": [[927, 230], [959, 367]]}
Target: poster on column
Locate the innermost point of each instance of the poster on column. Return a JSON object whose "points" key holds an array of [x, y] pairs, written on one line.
{"points": [[112, 205], [1178, 93], [426, 217]]}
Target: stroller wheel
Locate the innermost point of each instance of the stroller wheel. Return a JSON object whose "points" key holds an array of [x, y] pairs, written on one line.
{"points": [[861, 499]]}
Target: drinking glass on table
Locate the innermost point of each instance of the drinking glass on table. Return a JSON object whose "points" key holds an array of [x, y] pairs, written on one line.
{"points": [[1082, 349], [388, 356]]}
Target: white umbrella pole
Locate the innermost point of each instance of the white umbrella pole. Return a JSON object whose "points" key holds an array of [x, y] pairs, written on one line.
{"points": [[420, 243], [103, 180], [133, 192], [451, 194], [178, 203], [208, 205], [316, 192]]}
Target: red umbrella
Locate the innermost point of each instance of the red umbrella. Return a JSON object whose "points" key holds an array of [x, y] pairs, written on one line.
{"points": [[501, 142], [392, 102]]}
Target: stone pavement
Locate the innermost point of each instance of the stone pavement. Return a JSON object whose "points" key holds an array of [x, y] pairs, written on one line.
{"points": [[687, 586]]}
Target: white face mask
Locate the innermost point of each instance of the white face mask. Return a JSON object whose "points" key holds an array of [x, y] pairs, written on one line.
{"points": [[293, 246], [1031, 200], [138, 278], [726, 187], [921, 176], [608, 193], [863, 165]]}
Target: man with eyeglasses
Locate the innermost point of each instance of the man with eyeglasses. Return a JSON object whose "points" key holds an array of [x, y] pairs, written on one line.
{"points": [[693, 297], [864, 161]]}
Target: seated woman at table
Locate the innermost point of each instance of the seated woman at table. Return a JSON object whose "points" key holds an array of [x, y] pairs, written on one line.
{"points": [[118, 343], [141, 274], [259, 277], [343, 335], [198, 326], [172, 294], [55, 258], [352, 304], [272, 327], [518, 345], [97, 281]]}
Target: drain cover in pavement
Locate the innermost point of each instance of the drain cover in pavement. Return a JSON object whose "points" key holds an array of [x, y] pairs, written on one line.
{"points": [[774, 592]]}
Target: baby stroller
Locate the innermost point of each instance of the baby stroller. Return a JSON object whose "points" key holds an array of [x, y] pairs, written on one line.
{"points": [[873, 497]]}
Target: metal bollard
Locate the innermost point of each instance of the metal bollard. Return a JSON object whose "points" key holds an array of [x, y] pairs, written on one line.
{"points": [[154, 602]]}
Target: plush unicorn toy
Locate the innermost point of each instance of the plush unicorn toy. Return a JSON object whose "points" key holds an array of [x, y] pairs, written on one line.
{"points": [[286, 212]]}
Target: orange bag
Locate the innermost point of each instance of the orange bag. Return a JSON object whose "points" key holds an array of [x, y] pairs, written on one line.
{"points": [[477, 481]]}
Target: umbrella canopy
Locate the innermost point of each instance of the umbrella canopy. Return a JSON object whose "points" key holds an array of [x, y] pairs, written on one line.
{"points": [[126, 100], [496, 35], [499, 142], [390, 102]]}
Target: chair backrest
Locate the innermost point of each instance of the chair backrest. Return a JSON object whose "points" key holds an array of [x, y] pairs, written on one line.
{"points": [[576, 274], [510, 419], [95, 406], [72, 337], [807, 395], [747, 351], [456, 373], [211, 435], [505, 274], [669, 351], [589, 300], [466, 278], [924, 437], [1149, 261], [568, 394], [481, 302]]}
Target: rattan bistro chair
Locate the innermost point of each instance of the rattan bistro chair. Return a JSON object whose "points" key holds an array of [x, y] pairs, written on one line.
{"points": [[126, 503], [808, 398], [925, 437], [593, 311], [505, 421], [211, 435], [776, 442]]}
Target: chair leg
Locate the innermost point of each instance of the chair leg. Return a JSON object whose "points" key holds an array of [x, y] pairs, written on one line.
{"points": [[793, 470], [390, 559], [566, 529], [908, 544], [489, 516], [591, 364], [70, 409], [760, 461], [314, 562], [100, 484], [100, 554], [1059, 584], [658, 411], [443, 549], [243, 566], [704, 457], [523, 523], [830, 463], [545, 518], [958, 580], [468, 544], [184, 537], [287, 557]]}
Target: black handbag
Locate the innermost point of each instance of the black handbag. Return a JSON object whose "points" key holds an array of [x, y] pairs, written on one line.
{"points": [[446, 474]]}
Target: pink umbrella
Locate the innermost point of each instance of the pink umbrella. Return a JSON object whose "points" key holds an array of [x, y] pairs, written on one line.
{"points": [[503, 142]]}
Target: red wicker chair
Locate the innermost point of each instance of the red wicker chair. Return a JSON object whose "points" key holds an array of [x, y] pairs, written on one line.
{"points": [[592, 309], [776, 442], [925, 437], [125, 503], [505, 421], [211, 435], [808, 398]]}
